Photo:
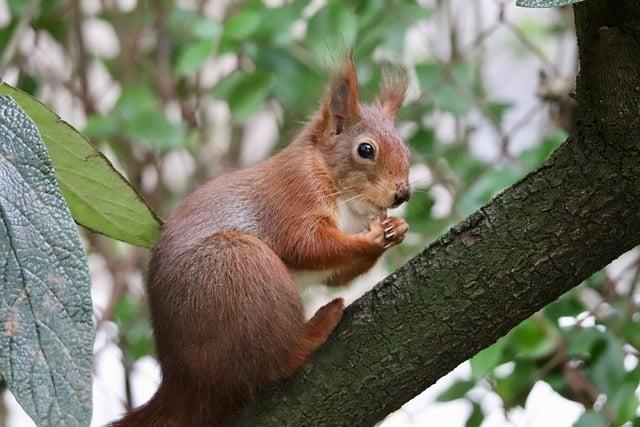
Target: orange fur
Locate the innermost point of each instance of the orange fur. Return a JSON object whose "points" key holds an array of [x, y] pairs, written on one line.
{"points": [[392, 91], [226, 313]]}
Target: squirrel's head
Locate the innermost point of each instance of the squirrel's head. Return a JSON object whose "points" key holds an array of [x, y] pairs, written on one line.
{"points": [[360, 143]]}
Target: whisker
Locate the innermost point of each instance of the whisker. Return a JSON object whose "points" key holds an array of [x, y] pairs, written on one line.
{"points": [[342, 202], [421, 190], [424, 178], [329, 195]]}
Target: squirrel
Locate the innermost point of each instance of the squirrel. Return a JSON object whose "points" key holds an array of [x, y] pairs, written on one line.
{"points": [[226, 312]]}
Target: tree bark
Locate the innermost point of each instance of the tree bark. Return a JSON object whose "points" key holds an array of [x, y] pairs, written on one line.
{"points": [[525, 248]]}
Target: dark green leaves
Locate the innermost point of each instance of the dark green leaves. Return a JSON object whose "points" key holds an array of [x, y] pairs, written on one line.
{"points": [[591, 419], [447, 89], [138, 116], [135, 332], [245, 92], [242, 25], [545, 3], [192, 55], [457, 390], [98, 196], [45, 303], [530, 340], [334, 27], [485, 361]]}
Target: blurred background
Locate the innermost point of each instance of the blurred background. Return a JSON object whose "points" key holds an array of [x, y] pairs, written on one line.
{"points": [[176, 92]]}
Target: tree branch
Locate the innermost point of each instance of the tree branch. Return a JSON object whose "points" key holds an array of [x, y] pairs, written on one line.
{"points": [[529, 245]]}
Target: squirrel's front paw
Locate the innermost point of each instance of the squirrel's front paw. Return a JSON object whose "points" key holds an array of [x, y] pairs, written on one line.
{"points": [[387, 231], [394, 230]]}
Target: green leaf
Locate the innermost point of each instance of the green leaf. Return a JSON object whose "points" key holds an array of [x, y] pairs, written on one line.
{"points": [[193, 55], [582, 342], [153, 126], [295, 82], [631, 332], [378, 27], [485, 361], [6, 33], [275, 25], [447, 98], [466, 167], [135, 333], [242, 24], [98, 196], [515, 387], [45, 300], [535, 156], [566, 305], [206, 29], [606, 370], [545, 3], [529, 340], [623, 401], [442, 89], [333, 26], [429, 74], [423, 142], [245, 92], [486, 187], [497, 109], [137, 116], [101, 127], [591, 418], [418, 211], [457, 390], [133, 101], [476, 417]]}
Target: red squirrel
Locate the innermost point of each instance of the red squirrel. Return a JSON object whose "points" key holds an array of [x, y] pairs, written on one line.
{"points": [[226, 311]]}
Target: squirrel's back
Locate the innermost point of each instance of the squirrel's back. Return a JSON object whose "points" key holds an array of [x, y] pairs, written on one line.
{"points": [[260, 200]]}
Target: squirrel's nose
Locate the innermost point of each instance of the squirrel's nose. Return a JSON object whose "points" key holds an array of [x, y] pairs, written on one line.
{"points": [[402, 194]]}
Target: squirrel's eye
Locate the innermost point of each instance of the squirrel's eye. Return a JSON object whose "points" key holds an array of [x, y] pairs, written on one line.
{"points": [[366, 151]]}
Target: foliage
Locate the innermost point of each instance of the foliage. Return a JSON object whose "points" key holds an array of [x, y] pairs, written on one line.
{"points": [[99, 197], [45, 303], [583, 354]]}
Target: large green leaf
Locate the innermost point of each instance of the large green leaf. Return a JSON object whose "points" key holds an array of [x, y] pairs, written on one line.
{"points": [[545, 3], [45, 302], [99, 197]]}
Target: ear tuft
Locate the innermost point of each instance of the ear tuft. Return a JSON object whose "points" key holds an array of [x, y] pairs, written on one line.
{"points": [[393, 89], [342, 104]]}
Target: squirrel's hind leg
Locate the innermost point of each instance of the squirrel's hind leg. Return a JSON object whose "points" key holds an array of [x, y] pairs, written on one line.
{"points": [[226, 322], [316, 331]]}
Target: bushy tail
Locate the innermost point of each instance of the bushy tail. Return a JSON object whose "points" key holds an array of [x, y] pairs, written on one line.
{"points": [[175, 406]]}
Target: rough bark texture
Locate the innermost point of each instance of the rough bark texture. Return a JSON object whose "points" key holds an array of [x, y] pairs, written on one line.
{"points": [[529, 245]]}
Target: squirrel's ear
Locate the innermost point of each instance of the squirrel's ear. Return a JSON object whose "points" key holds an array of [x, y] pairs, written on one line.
{"points": [[393, 89], [342, 106]]}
